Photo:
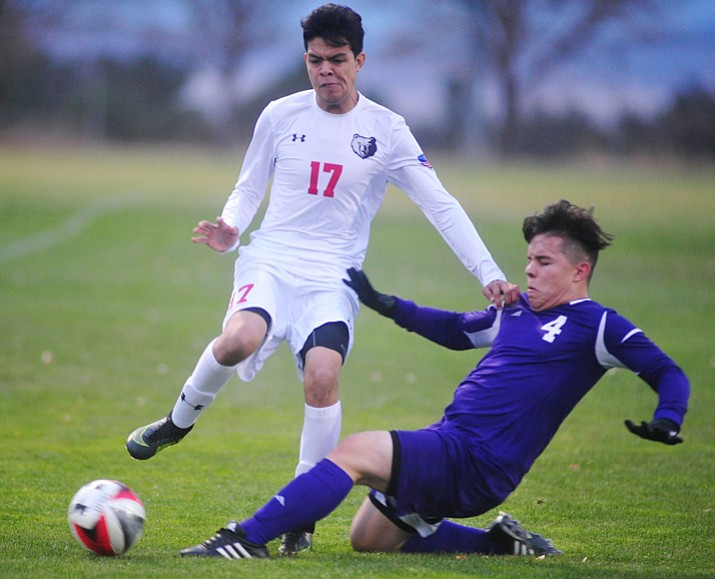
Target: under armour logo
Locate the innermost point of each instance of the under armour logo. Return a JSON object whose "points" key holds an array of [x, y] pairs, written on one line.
{"points": [[196, 407], [297, 137]]}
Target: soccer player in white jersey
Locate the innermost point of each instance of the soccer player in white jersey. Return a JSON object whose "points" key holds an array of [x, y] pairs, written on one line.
{"points": [[546, 352], [330, 153]]}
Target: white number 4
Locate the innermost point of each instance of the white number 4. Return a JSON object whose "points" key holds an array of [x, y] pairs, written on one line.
{"points": [[553, 329]]}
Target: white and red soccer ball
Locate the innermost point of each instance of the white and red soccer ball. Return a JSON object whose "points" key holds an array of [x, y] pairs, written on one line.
{"points": [[106, 517]]}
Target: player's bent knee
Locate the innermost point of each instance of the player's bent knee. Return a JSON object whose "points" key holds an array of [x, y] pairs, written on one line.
{"points": [[323, 376], [362, 539], [233, 347], [365, 540], [361, 543]]}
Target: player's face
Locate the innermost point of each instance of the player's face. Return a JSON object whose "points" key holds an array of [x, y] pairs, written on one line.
{"points": [[551, 276], [332, 71]]}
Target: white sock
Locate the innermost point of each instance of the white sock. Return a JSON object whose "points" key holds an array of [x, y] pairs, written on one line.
{"points": [[207, 380], [321, 432]]}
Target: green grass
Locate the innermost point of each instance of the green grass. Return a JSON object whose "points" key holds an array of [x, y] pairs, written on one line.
{"points": [[99, 328]]}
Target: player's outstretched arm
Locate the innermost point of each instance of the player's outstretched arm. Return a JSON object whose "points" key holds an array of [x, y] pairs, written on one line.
{"points": [[381, 303], [218, 236], [658, 430]]}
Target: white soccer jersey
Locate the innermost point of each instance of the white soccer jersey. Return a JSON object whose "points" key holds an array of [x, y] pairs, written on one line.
{"points": [[330, 174]]}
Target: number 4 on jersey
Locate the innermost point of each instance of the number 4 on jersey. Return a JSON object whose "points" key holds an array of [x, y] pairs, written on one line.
{"points": [[553, 329], [335, 170]]}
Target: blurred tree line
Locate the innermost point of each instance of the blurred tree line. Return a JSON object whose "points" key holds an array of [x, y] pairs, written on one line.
{"points": [[135, 97]]}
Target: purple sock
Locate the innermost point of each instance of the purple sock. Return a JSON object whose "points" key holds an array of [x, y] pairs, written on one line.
{"points": [[451, 538], [306, 499]]}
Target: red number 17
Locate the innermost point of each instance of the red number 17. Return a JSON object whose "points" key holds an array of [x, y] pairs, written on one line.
{"points": [[336, 171]]}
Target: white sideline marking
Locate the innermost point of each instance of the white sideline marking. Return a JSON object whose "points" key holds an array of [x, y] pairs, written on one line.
{"points": [[70, 228]]}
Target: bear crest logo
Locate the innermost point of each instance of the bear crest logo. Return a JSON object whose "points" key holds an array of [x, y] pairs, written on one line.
{"points": [[364, 147]]}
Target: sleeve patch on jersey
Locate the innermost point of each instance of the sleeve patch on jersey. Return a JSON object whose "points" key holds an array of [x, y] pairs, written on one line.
{"points": [[422, 159]]}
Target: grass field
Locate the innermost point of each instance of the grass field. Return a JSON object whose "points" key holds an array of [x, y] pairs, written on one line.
{"points": [[105, 306]]}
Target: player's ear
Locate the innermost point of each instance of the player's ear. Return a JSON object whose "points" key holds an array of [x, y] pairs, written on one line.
{"points": [[582, 271]]}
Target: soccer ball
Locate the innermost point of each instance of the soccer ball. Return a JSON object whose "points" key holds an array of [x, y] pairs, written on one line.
{"points": [[106, 517]]}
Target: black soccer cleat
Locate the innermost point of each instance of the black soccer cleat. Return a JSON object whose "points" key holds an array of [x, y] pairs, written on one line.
{"points": [[513, 539], [147, 440], [229, 542], [295, 542]]}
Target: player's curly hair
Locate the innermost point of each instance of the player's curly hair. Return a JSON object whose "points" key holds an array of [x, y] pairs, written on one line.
{"points": [[574, 224], [335, 24]]}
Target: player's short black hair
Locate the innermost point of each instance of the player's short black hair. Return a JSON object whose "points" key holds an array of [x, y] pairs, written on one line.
{"points": [[574, 224], [335, 24]]}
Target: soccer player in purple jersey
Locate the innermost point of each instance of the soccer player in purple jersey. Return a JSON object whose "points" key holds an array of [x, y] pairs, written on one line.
{"points": [[547, 351]]}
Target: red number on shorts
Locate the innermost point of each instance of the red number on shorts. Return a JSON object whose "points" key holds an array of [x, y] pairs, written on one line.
{"points": [[334, 169], [240, 295]]}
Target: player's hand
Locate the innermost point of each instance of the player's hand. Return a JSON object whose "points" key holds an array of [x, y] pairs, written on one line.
{"points": [[659, 430], [381, 303], [501, 293], [218, 236]]}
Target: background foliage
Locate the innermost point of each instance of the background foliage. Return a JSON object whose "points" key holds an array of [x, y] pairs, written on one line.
{"points": [[93, 72]]}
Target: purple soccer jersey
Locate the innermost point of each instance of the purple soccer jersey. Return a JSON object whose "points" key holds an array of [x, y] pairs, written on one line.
{"points": [[505, 412]]}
